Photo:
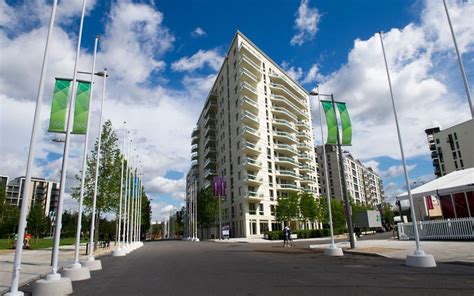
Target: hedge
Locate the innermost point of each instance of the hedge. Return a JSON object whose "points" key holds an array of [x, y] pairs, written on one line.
{"points": [[311, 233]]}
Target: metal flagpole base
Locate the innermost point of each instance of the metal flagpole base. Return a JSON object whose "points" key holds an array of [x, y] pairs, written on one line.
{"points": [[17, 293], [333, 250], [118, 252], [195, 239], [76, 272], [92, 263], [420, 259], [53, 285]]}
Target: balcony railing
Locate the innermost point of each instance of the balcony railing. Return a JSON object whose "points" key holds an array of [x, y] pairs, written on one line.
{"points": [[246, 88], [284, 123], [250, 147], [286, 147], [252, 162], [286, 160], [249, 76], [244, 60], [282, 88], [285, 135], [296, 109], [250, 117], [290, 173], [250, 131], [284, 111]]}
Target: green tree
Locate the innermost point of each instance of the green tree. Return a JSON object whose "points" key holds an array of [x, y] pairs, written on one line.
{"points": [[308, 207], [38, 223], [9, 215], [146, 213], [287, 208], [108, 185], [338, 216], [207, 208], [387, 213]]}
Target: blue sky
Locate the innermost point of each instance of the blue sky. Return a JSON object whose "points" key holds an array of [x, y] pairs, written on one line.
{"points": [[163, 56]]}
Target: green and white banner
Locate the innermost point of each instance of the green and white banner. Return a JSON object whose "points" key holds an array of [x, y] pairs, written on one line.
{"points": [[57, 121], [81, 111], [345, 123], [331, 122]]}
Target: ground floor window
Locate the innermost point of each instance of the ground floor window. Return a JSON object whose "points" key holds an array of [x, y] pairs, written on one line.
{"points": [[253, 227], [263, 226]]}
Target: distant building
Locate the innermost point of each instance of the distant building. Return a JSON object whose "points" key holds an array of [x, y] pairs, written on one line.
{"points": [[363, 184], [452, 148], [3, 182], [42, 191]]}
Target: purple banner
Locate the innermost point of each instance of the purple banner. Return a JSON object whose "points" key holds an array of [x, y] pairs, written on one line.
{"points": [[222, 186], [216, 186]]}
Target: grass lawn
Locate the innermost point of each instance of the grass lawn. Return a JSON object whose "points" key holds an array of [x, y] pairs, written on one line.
{"points": [[42, 243]]}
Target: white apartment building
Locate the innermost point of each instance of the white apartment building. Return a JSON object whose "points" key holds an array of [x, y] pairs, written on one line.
{"points": [[452, 148], [255, 129], [363, 184], [42, 191]]}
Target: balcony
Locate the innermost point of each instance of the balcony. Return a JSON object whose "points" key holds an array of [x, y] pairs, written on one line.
{"points": [[194, 156], [284, 113], [288, 83], [304, 146], [251, 148], [209, 152], [249, 104], [252, 54], [286, 161], [210, 141], [210, 131], [287, 174], [307, 179], [304, 136], [304, 157], [252, 163], [285, 125], [194, 163], [253, 180], [250, 118], [285, 148], [253, 195], [279, 100], [433, 147], [289, 187], [285, 137], [210, 120], [210, 108], [306, 168], [282, 90], [250, 133], [303, 124], [195, 132], [195, 148], [247, 76], [195, 140], [248, 90], [246, 62], [210, 163], [209, 173]]}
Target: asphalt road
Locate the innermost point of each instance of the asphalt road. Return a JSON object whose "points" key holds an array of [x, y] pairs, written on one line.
{"points": [[210, 268]]}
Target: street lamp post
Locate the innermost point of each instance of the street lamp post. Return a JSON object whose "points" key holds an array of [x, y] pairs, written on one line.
{"points": [[419, 258], [347, 206], [332, 250], [76, 271]]}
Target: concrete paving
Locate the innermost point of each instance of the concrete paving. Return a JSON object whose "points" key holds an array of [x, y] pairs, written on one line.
{"points": [[36, 264]]}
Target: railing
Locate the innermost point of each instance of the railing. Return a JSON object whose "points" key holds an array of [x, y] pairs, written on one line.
{"points": [[249, 101], [461, 228]]}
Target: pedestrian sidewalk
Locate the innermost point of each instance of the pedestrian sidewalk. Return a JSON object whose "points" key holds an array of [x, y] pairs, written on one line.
{"points": [[37, 264], [259, 240], [443, 251]]}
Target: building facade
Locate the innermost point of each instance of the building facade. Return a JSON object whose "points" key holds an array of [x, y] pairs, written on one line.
{"points": [[452, 148], [255, 130], [42, 191], [363, 184]]}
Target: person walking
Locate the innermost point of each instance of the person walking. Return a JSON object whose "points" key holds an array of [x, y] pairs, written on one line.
{"points": [[286, 236], [290, 240]]}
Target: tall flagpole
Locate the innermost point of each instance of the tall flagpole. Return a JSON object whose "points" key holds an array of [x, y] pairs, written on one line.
{"points": [[76, 271], [461, 65], [15, 280], [419, 259], [118, 236], [332, 250], [97, 264]]}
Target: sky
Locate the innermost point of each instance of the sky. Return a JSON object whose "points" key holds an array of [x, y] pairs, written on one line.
{"points": [[163, 57]]}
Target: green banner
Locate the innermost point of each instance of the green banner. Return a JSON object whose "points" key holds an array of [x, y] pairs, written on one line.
{"points": [[81, 111], [345, 123], [331, 122], [57, 120]]}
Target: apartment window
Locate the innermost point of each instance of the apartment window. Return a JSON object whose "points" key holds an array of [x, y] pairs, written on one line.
{"points": [[261, 212], [237, 117], [272, 210], [455, 136], [456, 164], [437, 141], [236, 103], [270, 179], [252, 209], [232, 198], [271, 192], [239, 175], [233, 212], [461, 163], [241, 209], [240, 191], [455, 156], [238, 159], [237, 130], [264, 77], [269, 167], [263, 66]]}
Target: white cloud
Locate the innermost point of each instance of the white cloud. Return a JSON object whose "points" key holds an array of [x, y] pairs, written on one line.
{"points": [[373, 164], [395, 171], [198, 32], [313, 76], [306, 23], [426, 91], [212, 58]]}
